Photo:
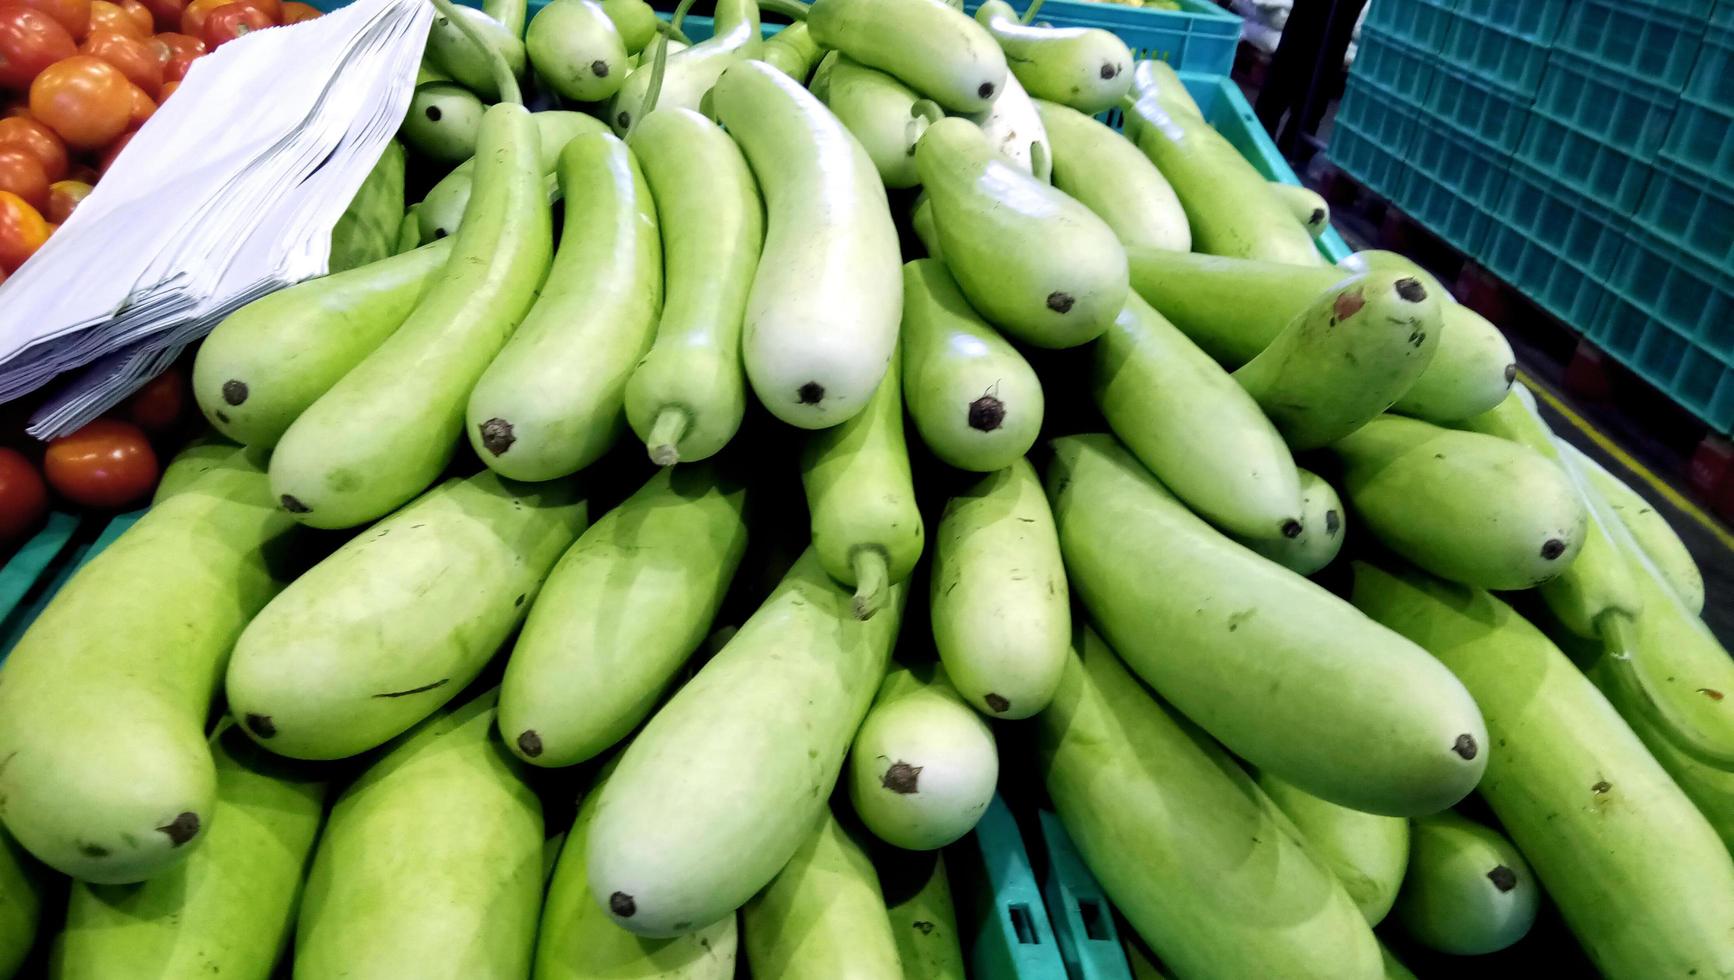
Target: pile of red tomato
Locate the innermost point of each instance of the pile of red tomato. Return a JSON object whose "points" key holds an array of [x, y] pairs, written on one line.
{"points": [[78, 78]]}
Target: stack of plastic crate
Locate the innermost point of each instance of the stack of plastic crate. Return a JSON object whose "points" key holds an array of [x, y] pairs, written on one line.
{"points": [[1670, 310]]}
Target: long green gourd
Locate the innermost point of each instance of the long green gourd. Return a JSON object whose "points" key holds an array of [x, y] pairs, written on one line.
{"points": [[576, 48], [973, 398], [1001, 609], [687, 396], [22, 887], [823, 916], [431, 862], [229, 910], [1205, 868], [103, 703], [1367, 852], [1324, 527], [1036, 263], [1639, 875], [1355, 350], [1285, 674], [267, 362], [630, 601], [1108, 175], [932, 47], [1086, 68], [553, 400], [578, 941], [441, 212], [367, 230], [1199, 431], [400, 619], [1468, 892], [1659, 541], [387, 430], [757, 740], [821, 319], [886, 116], [867, 528], [923, 917]]}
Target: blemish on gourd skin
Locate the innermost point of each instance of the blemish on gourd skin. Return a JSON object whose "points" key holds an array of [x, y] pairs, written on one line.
{"points": [[1552, 549], [999, 704], [622, 905], [293, 505], [442, 682], [1503, 878], [1465, 746], [986, 90], [1292, 528], [1348, 304], [234, 392], [1060, 302], [599, 68], [261, 725], [811, 393]]}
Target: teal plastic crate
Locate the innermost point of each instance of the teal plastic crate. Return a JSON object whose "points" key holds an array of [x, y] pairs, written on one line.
{"points": [[999, 903], [1702, 135], [1369, 161], [1426, 24], [1655, 43], [1627, 112], [1454, 184], [43, 564], [1693, 212], [1554, 245], [1081, 914], [1691, 298], [1486, 112], [1504, 42], [1199, 37], [1604, 172], [1371, 136], [1395, 66]]}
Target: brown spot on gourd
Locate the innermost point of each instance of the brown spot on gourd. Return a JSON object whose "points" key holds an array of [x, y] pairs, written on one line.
{"points": [[530, 744], [1411, 290], [811, 393], [986, 413], [433, 113], [1711, 693], [1109, 71], [1060, 302], [901, 778], [1552, 548], [1318, 217], [622, 905], [922, 926], [496, 435], [599, 68], [234, 392], [1348, 304], [1601, 786], [1291, 528], [293, 505], [182, 828], [222, 416], [261, 725], [997, 704], [1503, 878], [1510, 373], [985, 90], [1465, 746], [1333, 521], [93, 850], [520, 599], [624, 120]]}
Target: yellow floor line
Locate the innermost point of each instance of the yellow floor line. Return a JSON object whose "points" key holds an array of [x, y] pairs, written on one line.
{"points": [[1625, 459]]}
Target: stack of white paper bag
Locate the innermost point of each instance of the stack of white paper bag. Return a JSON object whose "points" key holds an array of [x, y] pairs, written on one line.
{"points": [[228, 193]]}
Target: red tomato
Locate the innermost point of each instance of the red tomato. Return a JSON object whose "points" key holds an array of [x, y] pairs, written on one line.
{"points": [[159, 405], [21, 174], [30, 41], [194, 14], [108, 463], [113, 151], [135, 58], [234, 20], [23, 496], [24, 133], [111, 17], [74, 15], [86, 100], [295, 13], [181, 44], [271, 8], [143, 106], [64, 197], [22, 231], [169, 88], [141, 15], [166, 13], [84, 173]]}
